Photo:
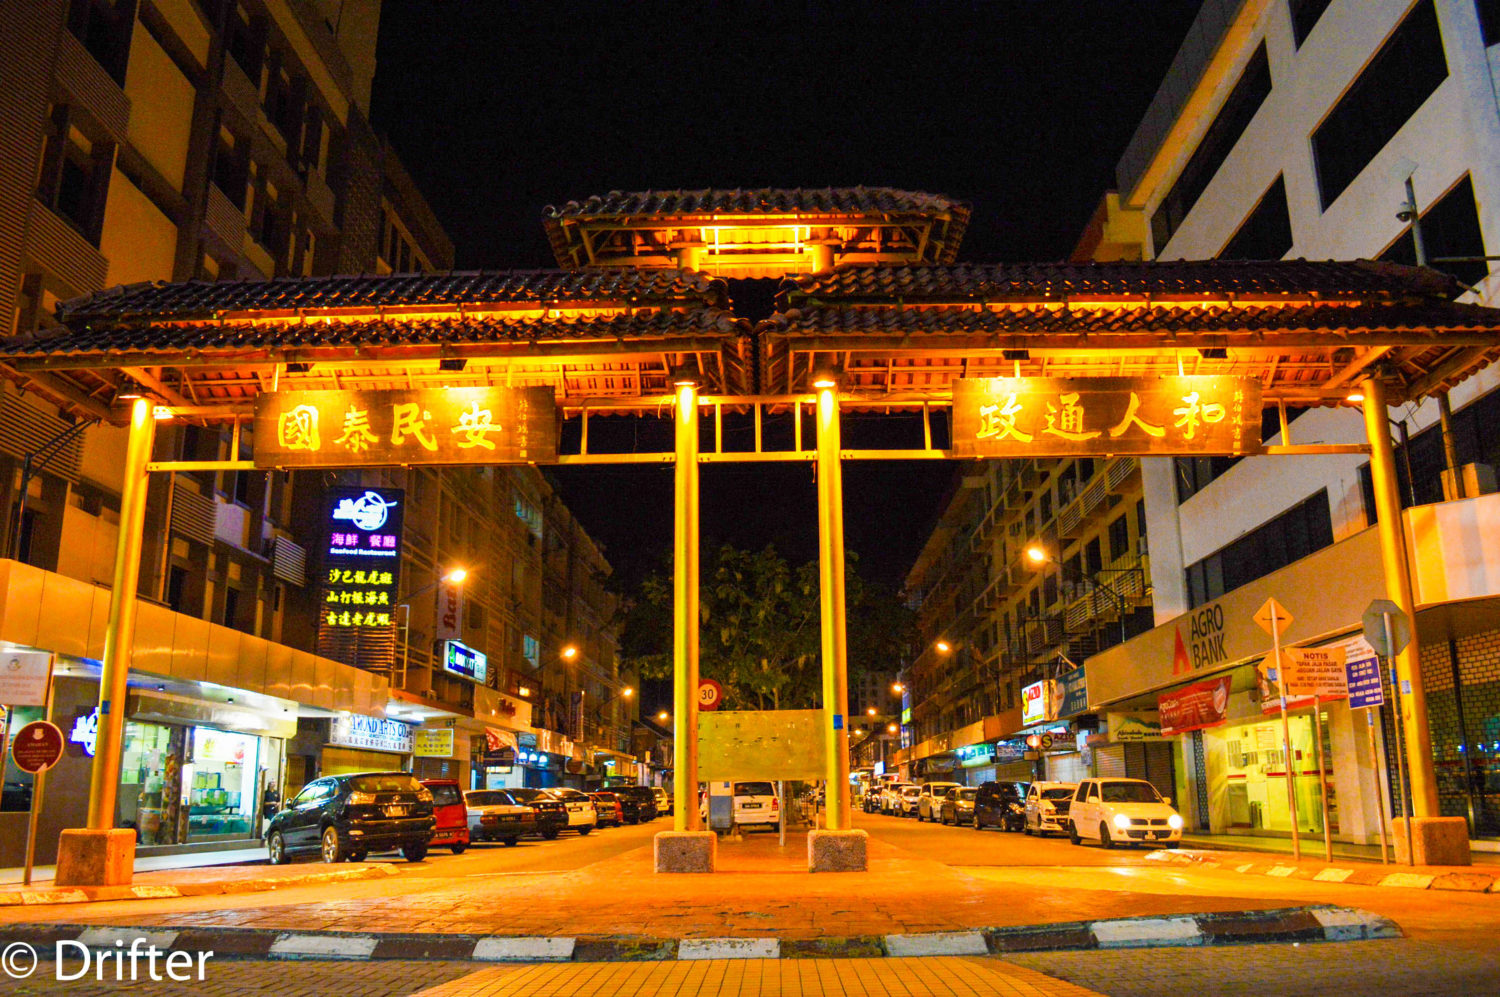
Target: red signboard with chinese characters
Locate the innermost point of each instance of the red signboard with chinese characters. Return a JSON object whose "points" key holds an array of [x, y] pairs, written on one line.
{"points": [[1059, 417], [1194, 707], [415, 426]]}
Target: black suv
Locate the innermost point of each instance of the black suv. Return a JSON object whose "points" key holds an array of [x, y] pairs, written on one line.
{"points": [[348, 816], [638, 802], [1002, 805], [551, 813]]}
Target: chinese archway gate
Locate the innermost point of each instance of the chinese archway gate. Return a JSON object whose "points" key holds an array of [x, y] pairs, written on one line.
{"points": [[873, 317]]}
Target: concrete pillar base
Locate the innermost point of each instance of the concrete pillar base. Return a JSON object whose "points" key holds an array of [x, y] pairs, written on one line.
{"points": [[837, 851], [95, 858], [1435, 840], [685, 851]]}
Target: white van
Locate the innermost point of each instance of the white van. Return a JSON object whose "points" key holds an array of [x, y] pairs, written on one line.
{"points": [[755, 804]]}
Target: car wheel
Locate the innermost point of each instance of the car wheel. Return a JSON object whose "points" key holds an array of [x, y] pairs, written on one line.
{"points": [[977, 826], [1105, 841], [458, 847], [333, 849], [551, 834], [584, 831], [1026, 829], [414, 853], [511, 842], [276, 846], [1073, 835]]}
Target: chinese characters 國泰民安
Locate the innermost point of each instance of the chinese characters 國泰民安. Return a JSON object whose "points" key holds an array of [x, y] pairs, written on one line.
{"points": [[411, 425], [1065, 418]]}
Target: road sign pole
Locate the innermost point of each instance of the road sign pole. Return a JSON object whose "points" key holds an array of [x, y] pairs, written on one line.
{"points": [[1406, 802], [685, 623], [1322, 777], [38, 792], [1375, 768], [1286, 735], [835, 638]]}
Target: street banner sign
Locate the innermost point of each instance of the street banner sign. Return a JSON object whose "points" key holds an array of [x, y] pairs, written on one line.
{"points": [[37, 747], [1273, 618], [1194, 707], [23, 677], [406, 426], [1365, 685], [1063, 417], [710, 694], [1374, 622], [1070, 696], [1315, 671]]}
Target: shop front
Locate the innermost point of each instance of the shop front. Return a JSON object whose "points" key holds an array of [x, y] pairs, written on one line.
{"points": [[357, 743]]}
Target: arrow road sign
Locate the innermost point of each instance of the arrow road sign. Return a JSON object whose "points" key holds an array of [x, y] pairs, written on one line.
{"points": [[1273, 618]]}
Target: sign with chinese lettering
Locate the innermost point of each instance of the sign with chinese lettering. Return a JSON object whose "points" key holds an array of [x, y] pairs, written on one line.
{"points": [[354, 730], [1071, 695], [433, 742], [362, 558], [408, 426], [1048, 416], [1194, 707], [461, 659]]}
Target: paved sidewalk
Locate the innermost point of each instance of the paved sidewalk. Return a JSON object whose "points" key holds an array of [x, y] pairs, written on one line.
{"points": [[1312, 848], [153, 863], [1469, 879], [214, 880]]}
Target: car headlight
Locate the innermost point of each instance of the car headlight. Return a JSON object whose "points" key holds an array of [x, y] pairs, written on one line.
{"points": [[1121, 821], [1175, 822]]}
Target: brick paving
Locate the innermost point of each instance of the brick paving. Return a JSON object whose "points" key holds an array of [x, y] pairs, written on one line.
{"points": [[257, 979]]}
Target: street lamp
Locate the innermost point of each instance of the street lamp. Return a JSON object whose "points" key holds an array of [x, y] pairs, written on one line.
{"points": [[569, 652], [943, 647], [454, 576], [897, 688], [1037, 555], [872, 711]]}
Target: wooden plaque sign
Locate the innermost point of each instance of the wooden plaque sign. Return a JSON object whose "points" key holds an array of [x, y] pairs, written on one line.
{"points": [[1064, 417], [415, 426]]}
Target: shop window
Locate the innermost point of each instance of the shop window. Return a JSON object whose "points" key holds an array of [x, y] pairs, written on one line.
{"points": [[74, 179], [220, 785], [1305, 14], [1266, 233], [1291, 536], [1119, 538], [1233, 118], [1398, 80], [104, 28], [1450, 235], [150, 795]]}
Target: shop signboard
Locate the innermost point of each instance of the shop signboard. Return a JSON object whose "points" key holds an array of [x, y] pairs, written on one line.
{"points": [[354, 730], [37, 747], [1034, 701], [23, 678], [1057, 741], [1134, 726], [433, 742], [1009, 751], [483, 425], [450, 610], [462, 660], [1071, 695], [1064, 417], [361, 560], [974, 755], [1195, 706]]}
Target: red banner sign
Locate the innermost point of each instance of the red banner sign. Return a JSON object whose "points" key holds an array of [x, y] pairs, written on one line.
{"points": [[1194, 707]]}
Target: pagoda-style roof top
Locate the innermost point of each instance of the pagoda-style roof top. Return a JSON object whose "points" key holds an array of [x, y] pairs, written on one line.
{"points": [[757, 232]]}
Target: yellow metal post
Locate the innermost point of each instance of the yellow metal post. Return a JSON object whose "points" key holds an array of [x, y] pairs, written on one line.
{"points": [[1408, 676], [831, 577], [685, 617], [119, 634]]}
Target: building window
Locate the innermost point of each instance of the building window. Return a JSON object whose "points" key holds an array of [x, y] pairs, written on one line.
{"points": [[245, 43], [531, 650], [1119, 538], [232, 608], [74, 179], [1266, 233], [1305, 14], [104, 28], [1401, 76], [231, 167], [1450, 228], [1291, 536], [1230, 123], [1093, 557], [1196, 473]]}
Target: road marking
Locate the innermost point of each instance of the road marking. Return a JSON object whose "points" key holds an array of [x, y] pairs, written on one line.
{"points": [[302, 946], [729, 948], [1333, 875], [106, 938], [1409, 880], [935, 943], [1281, 871], [1147, 931], [539, 948]]}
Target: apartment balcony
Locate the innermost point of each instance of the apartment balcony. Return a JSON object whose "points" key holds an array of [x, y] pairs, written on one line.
{"points": [[224, 219], [88, 85], [1122, 474], [1074, 520], [57, 248]]}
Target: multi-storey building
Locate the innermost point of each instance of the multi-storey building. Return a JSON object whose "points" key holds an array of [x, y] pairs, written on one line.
{"points": [[1303, 128]]}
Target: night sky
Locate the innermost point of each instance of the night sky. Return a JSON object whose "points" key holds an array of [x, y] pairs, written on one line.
{"points": [[1020, 108]]}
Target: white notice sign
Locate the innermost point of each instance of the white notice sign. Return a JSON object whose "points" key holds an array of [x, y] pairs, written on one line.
{"points": [[23, 677], [1315, 671]]}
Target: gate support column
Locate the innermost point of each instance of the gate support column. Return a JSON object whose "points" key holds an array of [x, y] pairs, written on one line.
{"points": [[837, 848], [1432, 840], [687, 847], [102, 855]]}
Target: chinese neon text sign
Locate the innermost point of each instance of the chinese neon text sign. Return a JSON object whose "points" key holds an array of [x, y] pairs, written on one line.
{"points": [[1040, 416], [362, 558], [412, 426]]}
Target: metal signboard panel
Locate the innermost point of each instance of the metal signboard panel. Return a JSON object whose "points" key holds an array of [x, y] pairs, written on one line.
{"points": [[407, 426], [761, 744], [1084, 416]]}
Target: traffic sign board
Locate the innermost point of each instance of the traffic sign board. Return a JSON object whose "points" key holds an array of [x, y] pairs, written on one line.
{"points": [[1273, 618], [710, 694], [1374, 621], [38, 746]]}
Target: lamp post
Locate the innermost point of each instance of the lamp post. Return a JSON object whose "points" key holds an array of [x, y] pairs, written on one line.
{"points": [[454, 576]]}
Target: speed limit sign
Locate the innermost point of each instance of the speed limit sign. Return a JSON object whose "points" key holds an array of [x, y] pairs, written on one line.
{"points": [[710, 694]]}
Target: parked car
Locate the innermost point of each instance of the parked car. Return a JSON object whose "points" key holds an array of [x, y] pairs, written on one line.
{"points": [[754, 804], [1122, 811], [551, 814], [873, 794], [958, 806], [907, 799], [1000, 804], [664, 804], [494, 815], [348, 816], [638, 803], [451, 815], [581, 815], [890, 798], [1047, 807], [607, 808], [932, 798]]}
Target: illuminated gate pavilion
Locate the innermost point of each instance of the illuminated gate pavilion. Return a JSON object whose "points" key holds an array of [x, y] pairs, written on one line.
{"points": [[873, 316]]}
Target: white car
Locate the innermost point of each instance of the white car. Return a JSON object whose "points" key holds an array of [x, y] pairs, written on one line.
{"points": [[906, 801], [663, 801], [930, 803], [495, 816], [756, 805], [1047, 805], [890, 797], [1130, 811], [582, 817]]}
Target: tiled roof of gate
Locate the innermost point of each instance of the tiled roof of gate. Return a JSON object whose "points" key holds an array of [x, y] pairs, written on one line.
{"points": [[207, 299], [1214, 279], [754, 200]]}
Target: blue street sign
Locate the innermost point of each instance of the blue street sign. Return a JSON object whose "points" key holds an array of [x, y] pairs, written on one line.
{"points": [[1365, 688]]}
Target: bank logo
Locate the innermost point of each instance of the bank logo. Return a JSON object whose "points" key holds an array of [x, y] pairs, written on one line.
{"points": [[368, 512]]}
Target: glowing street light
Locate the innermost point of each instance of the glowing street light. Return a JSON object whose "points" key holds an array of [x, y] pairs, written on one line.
{"points": [[664, 716], [627, 692], [1036, 553], [871, 711], [897, 688], [456, 576], [569, 652], [943, 647], [891, 729]]}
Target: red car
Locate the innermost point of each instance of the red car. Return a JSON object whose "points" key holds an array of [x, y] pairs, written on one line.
{"points": [[451, 813], [607, 806]]}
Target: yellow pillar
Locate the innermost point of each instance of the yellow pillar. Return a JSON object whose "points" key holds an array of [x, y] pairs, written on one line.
{"points": [[1398, 589], [119, 634], [685, 616], [831, 577]]}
